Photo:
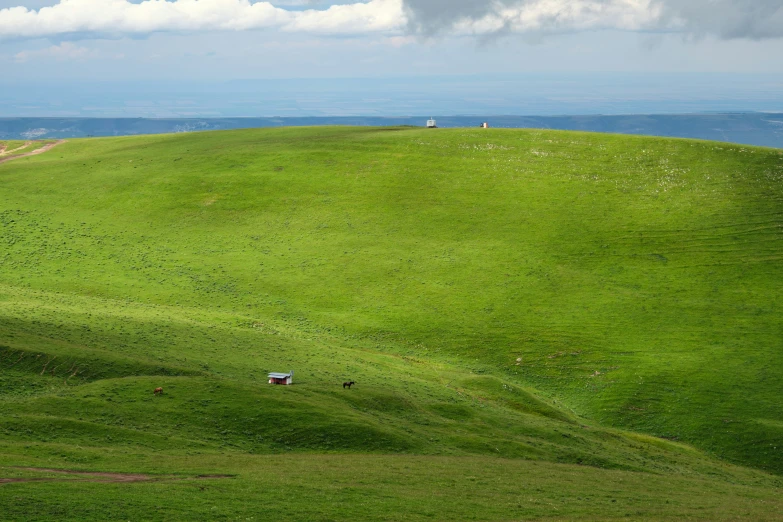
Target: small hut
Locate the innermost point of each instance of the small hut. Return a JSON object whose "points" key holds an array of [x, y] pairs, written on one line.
{"points": [[432, 124], [281, 378]]}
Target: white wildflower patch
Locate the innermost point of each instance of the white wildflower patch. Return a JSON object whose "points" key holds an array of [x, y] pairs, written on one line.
{"points": [[483, 147]]}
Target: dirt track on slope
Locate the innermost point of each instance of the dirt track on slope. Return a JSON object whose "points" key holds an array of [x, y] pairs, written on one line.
{"points": [[102, 476], [98, 476], [5, 152], [40, 150]]}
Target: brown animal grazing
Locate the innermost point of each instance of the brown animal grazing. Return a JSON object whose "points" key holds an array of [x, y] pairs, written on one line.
{"points": [[348, 385], [158, 391]]}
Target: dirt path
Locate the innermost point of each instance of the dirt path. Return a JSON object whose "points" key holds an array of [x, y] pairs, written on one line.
{"points": [[20, 479], [24, 146], [41, 150], [101, 475], [97, 476]]}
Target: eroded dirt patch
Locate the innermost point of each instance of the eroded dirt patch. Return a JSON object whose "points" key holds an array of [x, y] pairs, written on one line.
{"points": [[40, 150], [4, 148], [109, 477], [97, 476], [25, 479]]}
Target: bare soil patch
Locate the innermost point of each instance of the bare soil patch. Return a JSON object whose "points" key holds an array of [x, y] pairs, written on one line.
{"points": [[40, 150], [97, 476], [3, 150], [94, 476], [25, 479]]}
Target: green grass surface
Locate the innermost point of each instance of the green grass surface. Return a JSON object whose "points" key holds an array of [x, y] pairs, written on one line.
{"points": [[594, 316], [390, 488]]}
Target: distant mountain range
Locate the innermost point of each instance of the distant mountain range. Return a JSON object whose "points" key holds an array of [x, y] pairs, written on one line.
{"points": [[763, 129]]}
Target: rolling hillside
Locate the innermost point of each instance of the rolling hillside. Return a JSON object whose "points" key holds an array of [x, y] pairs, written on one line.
{"points": [[540, 324]]}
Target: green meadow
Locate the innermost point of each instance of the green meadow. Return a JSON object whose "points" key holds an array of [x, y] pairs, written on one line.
{"points": [[541, 325]]}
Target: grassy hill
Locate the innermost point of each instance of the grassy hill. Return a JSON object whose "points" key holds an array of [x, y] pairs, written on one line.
{"points": [[540, 325]]}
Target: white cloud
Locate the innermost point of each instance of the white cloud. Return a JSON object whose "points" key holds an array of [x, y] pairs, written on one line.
{"points": [[96, 17], [563, 16], [373, 16], [728, 19], [755, 19]]}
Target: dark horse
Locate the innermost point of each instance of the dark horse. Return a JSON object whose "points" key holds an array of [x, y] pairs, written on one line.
{"points": [[348, 385]]}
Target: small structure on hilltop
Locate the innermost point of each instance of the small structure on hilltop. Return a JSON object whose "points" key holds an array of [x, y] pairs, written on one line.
{"points": [[281, 378], [431, 124], [484, 125]]}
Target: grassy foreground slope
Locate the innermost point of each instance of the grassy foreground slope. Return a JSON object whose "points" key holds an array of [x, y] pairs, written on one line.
{"points": [[496, 295]]}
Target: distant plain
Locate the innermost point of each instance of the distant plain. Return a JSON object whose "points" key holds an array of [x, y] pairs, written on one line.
{"points": [[761, 129]]}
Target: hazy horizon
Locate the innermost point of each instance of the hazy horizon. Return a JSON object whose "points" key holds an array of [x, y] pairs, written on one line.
{"points": [[302, 58], [762, 129], [395, 96]]}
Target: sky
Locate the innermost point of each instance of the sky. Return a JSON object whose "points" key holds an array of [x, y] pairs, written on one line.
{"points": [[151, 42]]}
